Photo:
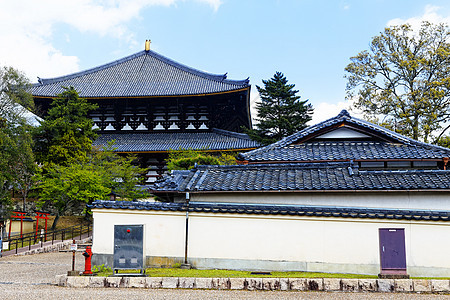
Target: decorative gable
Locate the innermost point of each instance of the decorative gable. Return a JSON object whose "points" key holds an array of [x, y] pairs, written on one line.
{"points": [[343, 133], [345, 138]]}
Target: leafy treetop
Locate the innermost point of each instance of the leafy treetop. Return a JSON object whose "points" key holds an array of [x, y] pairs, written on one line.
{"points": [[14, 95], [403, 80], [187, 159]]}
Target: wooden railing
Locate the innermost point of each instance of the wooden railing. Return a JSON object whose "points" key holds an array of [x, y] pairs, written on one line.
{"points": [[30, 239]]}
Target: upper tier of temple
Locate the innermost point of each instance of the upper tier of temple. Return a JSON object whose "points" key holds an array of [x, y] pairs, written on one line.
{"points": [[144, 74]]}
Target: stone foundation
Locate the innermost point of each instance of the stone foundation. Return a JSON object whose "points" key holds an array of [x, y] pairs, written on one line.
{"points": [[271, 284]]}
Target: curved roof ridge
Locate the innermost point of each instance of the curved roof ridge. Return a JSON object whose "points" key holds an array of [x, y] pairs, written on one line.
{"points": [[180, 66], [342, 116], [183, 67], [396, 135], [43, 81]]}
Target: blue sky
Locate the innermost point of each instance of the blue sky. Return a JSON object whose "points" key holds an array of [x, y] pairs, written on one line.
{"points": [[309, 41]]}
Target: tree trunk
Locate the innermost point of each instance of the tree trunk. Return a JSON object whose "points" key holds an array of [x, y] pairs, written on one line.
{"points": [[24, 198], [55, 221], [416, 128]]}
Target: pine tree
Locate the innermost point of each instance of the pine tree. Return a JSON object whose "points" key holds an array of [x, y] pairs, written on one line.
{"points": [[66, 134], [280, 112]]}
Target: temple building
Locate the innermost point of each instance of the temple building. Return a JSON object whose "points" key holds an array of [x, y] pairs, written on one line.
{"points": [[343, 195], [150, 104]]}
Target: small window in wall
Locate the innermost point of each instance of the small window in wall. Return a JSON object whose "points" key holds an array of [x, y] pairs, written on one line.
{"points": [[372, 164], [425, 164], [399, 164]]}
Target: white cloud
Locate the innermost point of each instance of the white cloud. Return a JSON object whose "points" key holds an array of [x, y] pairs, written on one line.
{"points": [[26, 28], [431, 15], [215, 4], [345, 5], [325, 110]]}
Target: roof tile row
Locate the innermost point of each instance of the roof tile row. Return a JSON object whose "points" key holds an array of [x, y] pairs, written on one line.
{"points": [[300, 177], [260, 209], [143, 74], [217, 139]]}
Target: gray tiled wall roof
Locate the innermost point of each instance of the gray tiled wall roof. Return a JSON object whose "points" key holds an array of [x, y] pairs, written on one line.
{"points": [[347, 150], [262, 209], [143, 74], [301, 177]]}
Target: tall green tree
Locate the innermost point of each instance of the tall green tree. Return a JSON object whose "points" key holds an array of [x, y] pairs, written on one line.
{"points": [[66, 133], [280, 112], [8, 148], [70, 187], [17, 164], [403, 80], [24, 166]]}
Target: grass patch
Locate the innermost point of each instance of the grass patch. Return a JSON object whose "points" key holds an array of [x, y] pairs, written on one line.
{"points": [[244, 274], [176, 272]]}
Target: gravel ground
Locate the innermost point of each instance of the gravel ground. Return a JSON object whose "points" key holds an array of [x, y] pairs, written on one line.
{"points": [[31, 277]]}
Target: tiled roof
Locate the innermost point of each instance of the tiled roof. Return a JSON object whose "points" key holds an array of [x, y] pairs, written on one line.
{"points": [[143, 74], [283, 149], [301, 177], [217, 139], [346, 150], [262, 209]]}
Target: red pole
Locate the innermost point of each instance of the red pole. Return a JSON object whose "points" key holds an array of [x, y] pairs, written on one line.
{"points": [[37, 225], [46, 218], [10, 223]]}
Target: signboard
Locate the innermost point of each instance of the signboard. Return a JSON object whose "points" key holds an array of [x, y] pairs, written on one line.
{"points": [[73, 247], [5, 245]]}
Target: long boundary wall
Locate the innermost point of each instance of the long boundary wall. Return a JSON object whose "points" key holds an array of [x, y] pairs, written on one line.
{"points": [[271, 242]]}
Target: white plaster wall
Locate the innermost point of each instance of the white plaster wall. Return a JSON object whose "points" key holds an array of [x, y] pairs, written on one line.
{"points": [[405, 200], [163, 232], [327, 241], [315, 240], [320, 244]]}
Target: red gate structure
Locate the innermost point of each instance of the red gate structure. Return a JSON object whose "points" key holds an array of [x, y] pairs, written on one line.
{"points": [[17, 215], [44, 216]]}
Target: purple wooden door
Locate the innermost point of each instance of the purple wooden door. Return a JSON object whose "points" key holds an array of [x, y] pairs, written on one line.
{"points": [[392, 248]]}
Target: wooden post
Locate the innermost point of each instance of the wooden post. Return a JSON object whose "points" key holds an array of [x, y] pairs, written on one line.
{"points": [[73, 257]]}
